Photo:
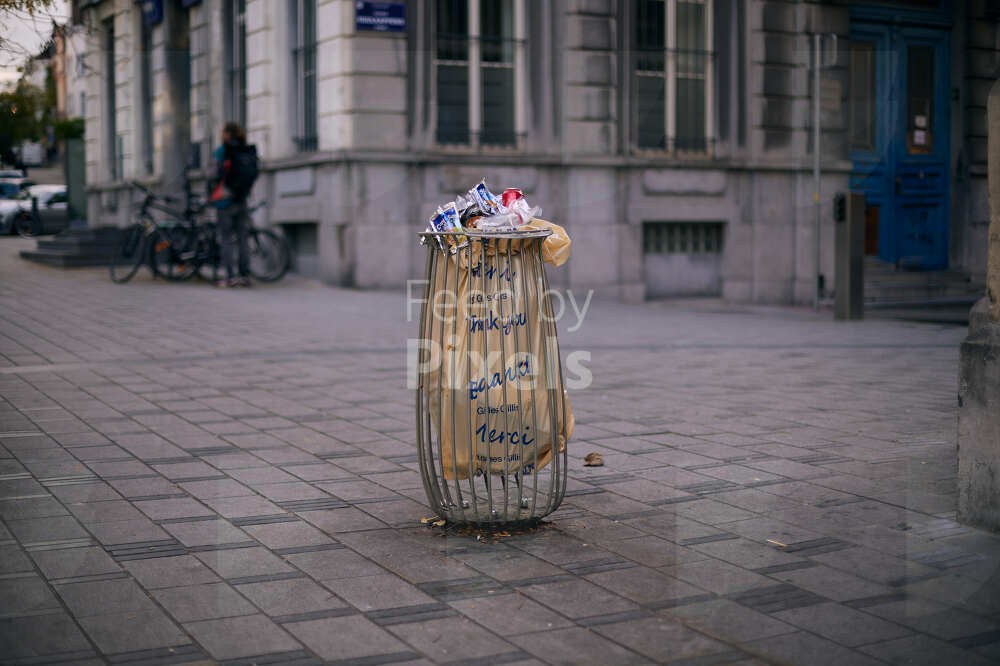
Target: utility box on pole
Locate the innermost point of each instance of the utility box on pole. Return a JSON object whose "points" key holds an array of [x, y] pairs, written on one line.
{"points": [[849, 285]]}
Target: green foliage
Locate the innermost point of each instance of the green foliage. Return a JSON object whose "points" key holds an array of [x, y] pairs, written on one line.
{"points": [[20, 116], [69, 128]]}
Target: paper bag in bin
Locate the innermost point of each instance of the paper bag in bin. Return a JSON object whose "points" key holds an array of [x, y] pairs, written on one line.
{"points": [[496, 404]]}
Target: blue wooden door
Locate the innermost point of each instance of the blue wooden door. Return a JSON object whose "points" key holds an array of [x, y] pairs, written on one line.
{"points": [[899, 133]]}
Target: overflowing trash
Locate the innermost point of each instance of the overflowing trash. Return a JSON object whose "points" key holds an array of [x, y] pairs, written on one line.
{"points": [[483, 211]]}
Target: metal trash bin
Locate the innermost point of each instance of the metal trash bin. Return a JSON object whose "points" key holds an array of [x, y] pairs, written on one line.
{"points": [[491, 408]]}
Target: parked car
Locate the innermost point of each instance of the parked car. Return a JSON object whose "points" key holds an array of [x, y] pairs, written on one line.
{"points": [[12, 173], [52, 203], [11, 188]]}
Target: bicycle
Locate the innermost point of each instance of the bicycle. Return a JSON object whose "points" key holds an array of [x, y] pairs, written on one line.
{"points": [[270, 255], [143, 240], [181, 246], [27, 225]]}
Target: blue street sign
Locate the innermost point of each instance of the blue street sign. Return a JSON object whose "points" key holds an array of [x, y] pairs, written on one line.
{"points": [[152, 11], [380, 16]]}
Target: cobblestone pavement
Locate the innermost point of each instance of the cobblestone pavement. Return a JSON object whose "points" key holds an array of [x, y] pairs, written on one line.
{"points": [[190, 474]]}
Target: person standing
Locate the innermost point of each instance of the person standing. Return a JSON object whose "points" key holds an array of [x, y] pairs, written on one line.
{"points": [[236, 166]]}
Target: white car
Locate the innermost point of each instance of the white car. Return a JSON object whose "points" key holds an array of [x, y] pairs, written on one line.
{"points": [[52, 203], [11, 188]]}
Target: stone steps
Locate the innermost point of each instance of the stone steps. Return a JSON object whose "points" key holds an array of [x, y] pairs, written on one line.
{"points": [[74, 248]]}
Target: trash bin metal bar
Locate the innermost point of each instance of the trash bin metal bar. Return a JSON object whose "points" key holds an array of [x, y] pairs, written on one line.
{"points": [[423, 397]]}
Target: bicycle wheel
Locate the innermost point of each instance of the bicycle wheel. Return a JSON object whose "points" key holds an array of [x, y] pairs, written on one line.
{"points": [[172, 253], [27, 225], [270, 257], [129, 255]]}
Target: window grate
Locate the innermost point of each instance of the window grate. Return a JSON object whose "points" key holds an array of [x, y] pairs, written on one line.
{"points": [[683, 237]]}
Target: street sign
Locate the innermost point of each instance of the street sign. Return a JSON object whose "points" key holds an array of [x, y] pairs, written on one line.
{"points": [[380, 16], [152, 11]]}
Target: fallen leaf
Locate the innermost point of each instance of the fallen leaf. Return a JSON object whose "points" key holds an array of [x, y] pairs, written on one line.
{"points": [[429, 519], [777, 543], [593, 460]]}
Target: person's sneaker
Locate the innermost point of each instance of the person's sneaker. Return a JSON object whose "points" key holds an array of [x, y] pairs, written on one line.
{"points": [[245, 282], [235, 282], [223, 284]]}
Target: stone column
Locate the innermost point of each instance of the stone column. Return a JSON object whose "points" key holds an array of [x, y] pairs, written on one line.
{"points": [[979, 378]]}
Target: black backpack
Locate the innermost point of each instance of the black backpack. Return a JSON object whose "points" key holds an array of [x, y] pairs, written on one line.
{"points": [[243, 169]]}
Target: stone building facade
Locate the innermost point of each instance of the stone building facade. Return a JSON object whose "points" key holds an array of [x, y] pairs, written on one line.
{"points": [[673, 138]]}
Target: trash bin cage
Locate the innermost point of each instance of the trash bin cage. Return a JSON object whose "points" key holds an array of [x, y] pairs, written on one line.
{"points": [[491, 409]]}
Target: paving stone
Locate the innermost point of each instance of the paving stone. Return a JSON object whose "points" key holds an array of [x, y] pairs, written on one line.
{"points": [[237, 637], [342, 638], [203, 602], [842, 624], [920, 650], [719, 577], [653, 551], [12, 560], [288, 535], [34, 507], [147, 487], [578, 598], [25, 596], [377, 592], [334, 521], [291, 597], [85, 492], [104, 512], [333, 564], [133, 631], [934, 618], [74, 562], [646, 586], [243, 506], [215, 488], [452, 639], [243, 562], [170, 572], [832, 584], [174, 507], [802, 648], [41, 635], [127, 531], [510, 614], [104, 597], [662, 639], [577, 646], [207, 532], [53, 528], [719, 617]]}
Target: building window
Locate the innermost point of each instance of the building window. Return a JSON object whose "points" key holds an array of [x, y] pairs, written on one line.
{"points": [[236, 61], [673, 67], [146, 96], [110, 101], [303, 25], [83, 104], [479, 71], [862, 87]]}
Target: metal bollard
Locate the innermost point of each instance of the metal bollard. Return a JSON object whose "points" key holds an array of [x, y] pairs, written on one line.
{"points": [[491, 410], [849, 289]]}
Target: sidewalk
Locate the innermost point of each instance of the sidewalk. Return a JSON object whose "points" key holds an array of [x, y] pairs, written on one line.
{"points": [[199, 475]]}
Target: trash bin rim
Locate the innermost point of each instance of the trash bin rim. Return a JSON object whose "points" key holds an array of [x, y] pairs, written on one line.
{"points": [[472, 233]]}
